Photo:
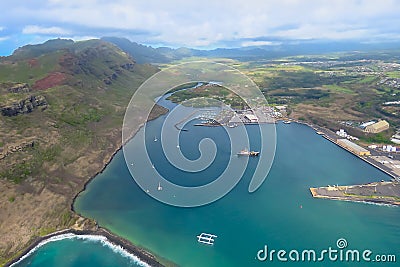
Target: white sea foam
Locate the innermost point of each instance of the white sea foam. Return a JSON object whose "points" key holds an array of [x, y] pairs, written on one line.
{"points": [[370, 203], [378, 204], [94, 238]]}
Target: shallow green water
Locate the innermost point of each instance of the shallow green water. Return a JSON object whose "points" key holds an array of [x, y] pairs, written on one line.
{"points": [[69, 250]]}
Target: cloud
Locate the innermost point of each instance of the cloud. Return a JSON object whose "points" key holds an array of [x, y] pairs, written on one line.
{"points": [[207, 22], [4, 38], [259, 43], [34, 29]]}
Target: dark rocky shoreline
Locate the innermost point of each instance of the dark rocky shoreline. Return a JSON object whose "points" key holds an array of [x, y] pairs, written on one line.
{"points": [[142, 254]]}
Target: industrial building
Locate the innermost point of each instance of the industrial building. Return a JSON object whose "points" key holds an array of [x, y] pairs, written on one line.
{"points": [[377, 127], [252, 118], [356, 149]]}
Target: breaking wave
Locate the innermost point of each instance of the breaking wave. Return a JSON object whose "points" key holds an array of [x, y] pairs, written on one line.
{"points": [[93, 238]]}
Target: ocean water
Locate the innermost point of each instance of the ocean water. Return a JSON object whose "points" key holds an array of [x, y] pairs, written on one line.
{"points": [[72, 250], [281, 214]]}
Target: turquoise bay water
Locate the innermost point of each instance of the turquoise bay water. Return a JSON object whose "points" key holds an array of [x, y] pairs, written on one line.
{"points": [[280, 214]]}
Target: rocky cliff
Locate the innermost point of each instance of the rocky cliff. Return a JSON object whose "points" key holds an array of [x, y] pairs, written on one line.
{"points": [[24, 106]]}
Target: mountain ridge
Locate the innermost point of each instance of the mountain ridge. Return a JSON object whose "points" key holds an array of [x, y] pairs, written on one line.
{"points": [[63, 104], [279, 49]]}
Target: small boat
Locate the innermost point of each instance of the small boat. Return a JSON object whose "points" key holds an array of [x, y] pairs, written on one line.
{"points": [[246, 152], [155, 139], [159, 188], [287, 122]]}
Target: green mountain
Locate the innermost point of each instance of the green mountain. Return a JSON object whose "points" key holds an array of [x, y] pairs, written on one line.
{"points": [[61, 110], [282, 48], [142, 53]]}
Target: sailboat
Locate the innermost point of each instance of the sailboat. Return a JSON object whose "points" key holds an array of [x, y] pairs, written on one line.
{"points": [[159, 188], [155, 139]]}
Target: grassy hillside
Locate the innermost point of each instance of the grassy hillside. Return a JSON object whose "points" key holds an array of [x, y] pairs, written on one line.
{"points": [[70, 98]]}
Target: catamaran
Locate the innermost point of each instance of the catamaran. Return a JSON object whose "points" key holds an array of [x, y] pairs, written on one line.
{"points": [[206, 238]]}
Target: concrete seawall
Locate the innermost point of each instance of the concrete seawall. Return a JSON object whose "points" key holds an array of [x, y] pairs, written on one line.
{"points": [[369, 160], [376, 192]]}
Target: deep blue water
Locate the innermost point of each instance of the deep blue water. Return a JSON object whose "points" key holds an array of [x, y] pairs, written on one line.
{"points": [[281, 214]]}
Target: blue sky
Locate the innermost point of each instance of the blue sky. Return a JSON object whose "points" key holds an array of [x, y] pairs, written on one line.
{"points": [[199, 24]]}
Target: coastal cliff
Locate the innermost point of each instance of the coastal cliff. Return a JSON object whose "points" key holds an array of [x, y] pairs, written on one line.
{"points": [[62, 105], [24, 106]]}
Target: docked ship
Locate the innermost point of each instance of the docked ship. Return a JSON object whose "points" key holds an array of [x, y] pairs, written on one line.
{"points": [[246, 152]]}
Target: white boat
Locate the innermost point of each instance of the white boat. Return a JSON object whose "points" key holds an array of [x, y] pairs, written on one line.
{"points": [[155, 139], [159, 188], [246, 152]]}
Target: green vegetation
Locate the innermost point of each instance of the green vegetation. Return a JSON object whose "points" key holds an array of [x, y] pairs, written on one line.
{"points": [[301, 79], [46, 230], [18, 172], [339, 89], [29, 72], [367, 79], [29, 168], [183, 86], [82, 109], [208, 91], [67, 218], [393, 74], [380, 138], [81, 116], [302, 94], [11, 199]]}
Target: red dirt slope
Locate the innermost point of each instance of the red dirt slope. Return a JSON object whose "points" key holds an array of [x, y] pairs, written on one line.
{"points": [[53, 79]]}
